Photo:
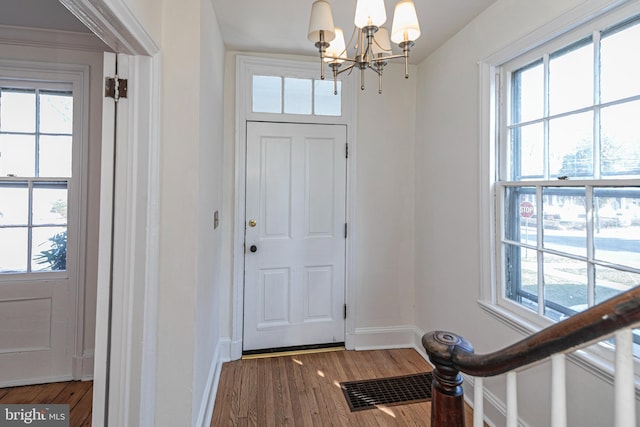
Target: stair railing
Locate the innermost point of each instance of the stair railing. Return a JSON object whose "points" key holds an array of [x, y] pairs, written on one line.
{"points": [[452, 354]]}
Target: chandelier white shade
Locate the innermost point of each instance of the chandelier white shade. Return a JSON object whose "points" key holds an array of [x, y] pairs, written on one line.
{"points": [[321, 22], [370, 38], [370, 12], [405, 23], [381, 44], [337, 48]]}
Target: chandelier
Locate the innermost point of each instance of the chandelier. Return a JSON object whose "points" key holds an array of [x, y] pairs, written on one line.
{"points": [[370, 39]]}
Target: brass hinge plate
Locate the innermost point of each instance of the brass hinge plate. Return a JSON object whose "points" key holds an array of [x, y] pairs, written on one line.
{"points": [[115, 88]]}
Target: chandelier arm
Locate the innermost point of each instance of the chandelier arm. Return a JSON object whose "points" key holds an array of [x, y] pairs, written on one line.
{"points": [[345, 69], [342, 58], [386, 58], [322, 46], [406, 46]]}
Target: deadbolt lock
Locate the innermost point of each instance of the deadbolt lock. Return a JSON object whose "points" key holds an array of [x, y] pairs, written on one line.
{"points": [[252, 223]]}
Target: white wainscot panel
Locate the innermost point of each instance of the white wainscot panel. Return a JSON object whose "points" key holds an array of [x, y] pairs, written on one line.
{"points": [[276, 187], [320, 203], [275, 296], [318, 288], [25, 325]]}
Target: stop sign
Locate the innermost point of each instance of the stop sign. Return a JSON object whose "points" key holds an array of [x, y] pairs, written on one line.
{"points": [[526, 210]]}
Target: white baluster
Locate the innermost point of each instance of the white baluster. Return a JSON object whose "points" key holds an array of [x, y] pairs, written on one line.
{"points": [[625, 405], [478, 402], [558, 391], [512, 400]]}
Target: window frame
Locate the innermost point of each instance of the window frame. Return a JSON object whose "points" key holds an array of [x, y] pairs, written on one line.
{"points": [[249, 66], [494, 99], [74, 79]]}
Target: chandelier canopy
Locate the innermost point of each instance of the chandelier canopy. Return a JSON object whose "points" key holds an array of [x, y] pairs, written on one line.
{"points": [[370, 39]]}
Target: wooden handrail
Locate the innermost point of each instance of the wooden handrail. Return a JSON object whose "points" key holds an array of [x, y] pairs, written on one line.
{"points": [[452, 354]]}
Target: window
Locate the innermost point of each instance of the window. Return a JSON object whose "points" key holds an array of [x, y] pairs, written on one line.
{"points": [[36, 127], [289, 95], [568, 176]]}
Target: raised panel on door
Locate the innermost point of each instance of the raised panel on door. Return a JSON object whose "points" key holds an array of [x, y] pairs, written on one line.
{"points": [[275, 191], [295, 213]]}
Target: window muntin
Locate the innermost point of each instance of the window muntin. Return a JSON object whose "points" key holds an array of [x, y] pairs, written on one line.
{"points": [[585, 249], [291, 95], [569, 187], [36, 128]]}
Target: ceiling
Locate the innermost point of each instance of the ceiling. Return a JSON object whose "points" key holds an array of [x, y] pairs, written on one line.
{"points": [[280, 26], [48, 14], [273, 26]]}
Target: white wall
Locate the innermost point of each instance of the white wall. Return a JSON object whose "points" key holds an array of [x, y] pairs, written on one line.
{"points": [[384, 222], [448, 270], [384, 240], [191, 189], [209, 304], [148, 12]]}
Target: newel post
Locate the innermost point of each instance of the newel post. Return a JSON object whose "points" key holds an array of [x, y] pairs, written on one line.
{"points": [[447, 396]]}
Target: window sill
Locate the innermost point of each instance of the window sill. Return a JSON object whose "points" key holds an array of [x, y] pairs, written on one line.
{"points": [[595, 359]]}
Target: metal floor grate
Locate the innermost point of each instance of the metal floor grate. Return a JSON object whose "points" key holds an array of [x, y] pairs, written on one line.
{"points": [[402, 390]]}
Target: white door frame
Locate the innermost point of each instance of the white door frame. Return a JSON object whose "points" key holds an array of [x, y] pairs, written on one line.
{"points": [[135, 196], [246, 66]]}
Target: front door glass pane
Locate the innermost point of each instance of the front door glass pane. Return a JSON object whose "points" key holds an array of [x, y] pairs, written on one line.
{"points": [[297, 96], [326, 101], [267, 94]]}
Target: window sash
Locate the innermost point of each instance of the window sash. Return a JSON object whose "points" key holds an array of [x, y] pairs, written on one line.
{"points": [[31, 184], [35, 181]]}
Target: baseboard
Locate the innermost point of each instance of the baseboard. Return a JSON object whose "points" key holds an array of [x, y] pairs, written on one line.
{"points": [[82, 367], [380, 338], [235, 351], [87, 367], [31, 381], [222, 354]]}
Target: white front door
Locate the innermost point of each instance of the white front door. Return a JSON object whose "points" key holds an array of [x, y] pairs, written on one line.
{"points": [[295, 235]]}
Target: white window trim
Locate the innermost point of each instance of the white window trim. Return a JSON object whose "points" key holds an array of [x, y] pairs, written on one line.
{"points": [[582, 20]]}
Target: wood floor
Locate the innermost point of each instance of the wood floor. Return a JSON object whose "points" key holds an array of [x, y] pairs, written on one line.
{"points": [[77, 394], [303, 390]]}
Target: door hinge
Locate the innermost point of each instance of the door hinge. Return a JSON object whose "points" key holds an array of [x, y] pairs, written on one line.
{"points": [[345, 311], [346, 150], [345, 230], [115, 88]]}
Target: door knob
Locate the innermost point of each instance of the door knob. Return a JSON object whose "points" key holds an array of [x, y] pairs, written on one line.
{"points": [[253, 248], [252, 223]]}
